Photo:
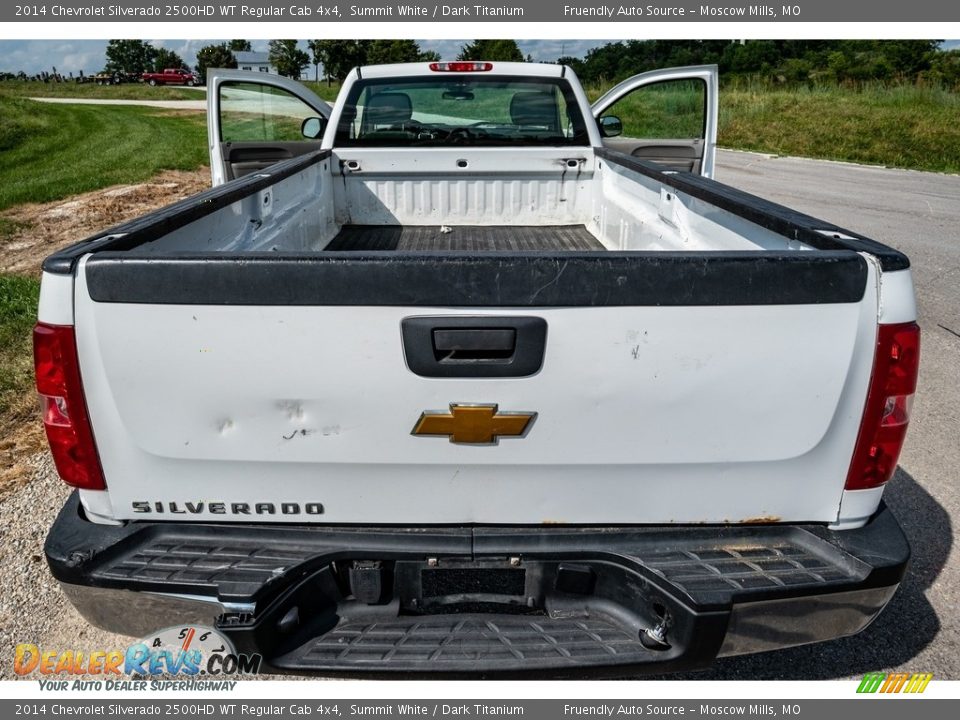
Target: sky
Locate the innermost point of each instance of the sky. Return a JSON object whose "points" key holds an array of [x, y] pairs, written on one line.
{"points": [[68, 56]]}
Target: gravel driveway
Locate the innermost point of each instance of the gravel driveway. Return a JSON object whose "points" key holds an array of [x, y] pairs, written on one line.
{"points": [[32, 608]]}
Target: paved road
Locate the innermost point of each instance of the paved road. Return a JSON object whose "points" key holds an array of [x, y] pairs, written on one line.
{"points": [[236, 98], [918, 213]]}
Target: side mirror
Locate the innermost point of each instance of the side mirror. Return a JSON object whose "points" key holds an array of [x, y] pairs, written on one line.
{"points": [[610, 126], [313, 127]]}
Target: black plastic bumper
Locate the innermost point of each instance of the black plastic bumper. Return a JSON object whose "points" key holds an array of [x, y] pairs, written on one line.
{"points": [[483, 600]]}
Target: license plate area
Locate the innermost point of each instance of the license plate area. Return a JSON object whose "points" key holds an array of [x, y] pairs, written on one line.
{"points": [[446, 585]]}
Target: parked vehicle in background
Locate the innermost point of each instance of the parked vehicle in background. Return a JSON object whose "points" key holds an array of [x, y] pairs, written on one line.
{"points": [[107, 78], [171, 76]]}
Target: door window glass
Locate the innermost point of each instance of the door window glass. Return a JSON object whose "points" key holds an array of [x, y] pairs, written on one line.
{"points": [[672, 109], [251, 112]]}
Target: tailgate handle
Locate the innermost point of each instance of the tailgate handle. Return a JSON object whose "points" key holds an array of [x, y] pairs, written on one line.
{"points": [[474, 346], [461, 345]]}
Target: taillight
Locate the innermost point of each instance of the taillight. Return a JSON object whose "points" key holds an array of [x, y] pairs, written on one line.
{"points": [[461, 66], [887, 412], [64, 408]]}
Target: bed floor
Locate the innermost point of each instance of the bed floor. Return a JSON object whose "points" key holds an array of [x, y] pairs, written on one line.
{"points": [[464, 238]]}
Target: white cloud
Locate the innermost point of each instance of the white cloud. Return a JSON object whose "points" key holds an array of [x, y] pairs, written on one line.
{"points": [[43, 55]]}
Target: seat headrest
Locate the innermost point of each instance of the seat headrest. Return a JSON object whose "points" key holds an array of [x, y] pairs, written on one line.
{"points": [[388, 108], [535, 108]]}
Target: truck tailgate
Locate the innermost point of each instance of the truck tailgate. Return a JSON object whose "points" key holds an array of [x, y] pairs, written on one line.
{"points": [[696, 410]]}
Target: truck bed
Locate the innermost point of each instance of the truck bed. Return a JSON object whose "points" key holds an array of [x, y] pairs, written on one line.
{"points": [[464, 238]]}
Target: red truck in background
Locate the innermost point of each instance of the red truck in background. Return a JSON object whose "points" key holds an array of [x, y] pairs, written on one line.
{"points": [[171, 76]]}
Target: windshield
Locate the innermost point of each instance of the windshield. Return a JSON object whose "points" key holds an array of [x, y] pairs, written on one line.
{"points": [[461, 110]]}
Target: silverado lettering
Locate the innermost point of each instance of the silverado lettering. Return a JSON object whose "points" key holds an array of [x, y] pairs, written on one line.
{"points": [[221, 508]]}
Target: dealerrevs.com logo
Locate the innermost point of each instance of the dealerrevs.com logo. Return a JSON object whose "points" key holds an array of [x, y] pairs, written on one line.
{"points": [[189, 651], [894, 683]]}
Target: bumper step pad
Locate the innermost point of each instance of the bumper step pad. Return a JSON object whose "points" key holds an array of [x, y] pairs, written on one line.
{"points": [[705, 571], [454, 641]]}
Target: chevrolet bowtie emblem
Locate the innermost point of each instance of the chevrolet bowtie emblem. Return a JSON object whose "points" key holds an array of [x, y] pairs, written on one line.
{"points": [[474, 424]]}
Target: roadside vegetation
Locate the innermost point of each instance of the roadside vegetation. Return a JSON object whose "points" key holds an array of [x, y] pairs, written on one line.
{"points": [[20, 430], [50, 151], [326, 90], [905, 126], [124, 91], [781, 63], [18, 311]]}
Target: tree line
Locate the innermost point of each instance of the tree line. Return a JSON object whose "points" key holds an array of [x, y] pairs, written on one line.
{"points": [[784, 62], [135, 57], [335, 57], [778, 62]]}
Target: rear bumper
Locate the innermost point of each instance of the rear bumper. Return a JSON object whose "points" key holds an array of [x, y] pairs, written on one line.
{"points": [[491, 601]]}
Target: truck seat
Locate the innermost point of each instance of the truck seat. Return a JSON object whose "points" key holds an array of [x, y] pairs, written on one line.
{"points": [[535, 108], [387, 109]]}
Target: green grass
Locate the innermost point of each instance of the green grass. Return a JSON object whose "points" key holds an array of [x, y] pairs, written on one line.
{"points": [[670, 110], [905, 126], [253, 127], [129, 91], [18, 312], [250, 113], [326, 93], [48, 152]]}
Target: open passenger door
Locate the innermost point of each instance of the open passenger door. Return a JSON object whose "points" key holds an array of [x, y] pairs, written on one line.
{"points": [[666, 116], [256, 119]]}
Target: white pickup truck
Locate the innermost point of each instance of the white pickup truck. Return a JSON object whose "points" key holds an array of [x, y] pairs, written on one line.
{"points": [[468, 375]]}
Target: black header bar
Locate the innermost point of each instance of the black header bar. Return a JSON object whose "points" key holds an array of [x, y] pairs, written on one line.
{"points": [[537, 11]]}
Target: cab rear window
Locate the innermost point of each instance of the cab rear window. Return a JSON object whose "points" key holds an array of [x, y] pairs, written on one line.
{"points": [[461, 110]]}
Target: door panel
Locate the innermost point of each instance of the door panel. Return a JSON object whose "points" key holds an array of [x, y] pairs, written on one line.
{"points": [[668, 116], [681, 155], [243, 158], [254, 120]]}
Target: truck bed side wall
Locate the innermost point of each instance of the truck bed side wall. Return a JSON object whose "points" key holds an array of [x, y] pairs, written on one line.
{"points": [[294, 214], [634, 211]]}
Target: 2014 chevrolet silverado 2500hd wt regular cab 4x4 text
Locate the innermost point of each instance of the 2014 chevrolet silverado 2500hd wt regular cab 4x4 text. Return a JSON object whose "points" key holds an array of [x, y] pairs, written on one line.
{"points": [[466, 375]]}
